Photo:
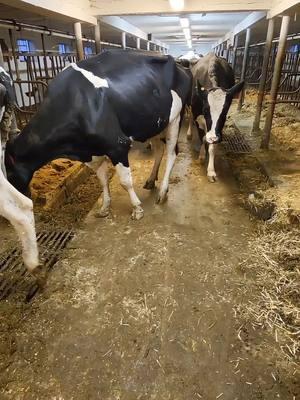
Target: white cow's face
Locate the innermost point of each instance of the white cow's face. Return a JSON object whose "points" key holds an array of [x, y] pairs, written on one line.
{"points": [[216, 99], [216, 103]]}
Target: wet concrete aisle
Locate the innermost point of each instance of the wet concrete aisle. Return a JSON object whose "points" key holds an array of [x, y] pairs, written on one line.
{"points": [[146, 310]]}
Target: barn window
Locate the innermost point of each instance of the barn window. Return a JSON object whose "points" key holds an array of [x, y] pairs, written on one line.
{"points": [[88, 50], [62, 48], [23, 47]]}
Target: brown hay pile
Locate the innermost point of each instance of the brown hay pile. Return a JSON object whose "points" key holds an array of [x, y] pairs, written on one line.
{"points": [[276, 264]]}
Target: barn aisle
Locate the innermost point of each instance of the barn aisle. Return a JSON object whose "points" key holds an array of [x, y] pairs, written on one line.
{"points": [[148, 309]]}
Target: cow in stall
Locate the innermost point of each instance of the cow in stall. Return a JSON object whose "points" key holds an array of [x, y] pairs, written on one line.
{"points": [[95, 109], [14, 206], [213, 91]]}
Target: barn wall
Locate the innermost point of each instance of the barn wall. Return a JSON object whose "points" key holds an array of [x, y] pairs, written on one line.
{"points": [[177, 51]]}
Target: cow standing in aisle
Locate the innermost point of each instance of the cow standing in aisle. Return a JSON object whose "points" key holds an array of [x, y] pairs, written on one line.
{"points": [[95, 109], [14, 206], [213, 91]]}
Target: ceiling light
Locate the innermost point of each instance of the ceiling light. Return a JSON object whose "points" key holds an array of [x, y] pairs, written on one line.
{"points": [[177, 5], [184, 22]]}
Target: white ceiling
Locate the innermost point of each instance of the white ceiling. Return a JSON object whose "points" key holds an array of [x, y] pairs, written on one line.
{"points": [[205, 28]]}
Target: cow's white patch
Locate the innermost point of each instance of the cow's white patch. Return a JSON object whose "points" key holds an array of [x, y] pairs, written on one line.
{"points": [[171, 141], [100, 166], [216, 100], [176, 106], [95, 80], [126, 181], [2, 112], [211, 173], [2, 70], [18, 209]]}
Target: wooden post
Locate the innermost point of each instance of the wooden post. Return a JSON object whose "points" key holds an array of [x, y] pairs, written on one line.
{"points": [[262, 82], [276, 80], [78, 37], [138, 43], [98, 37], [124, 40], [244, 67]]}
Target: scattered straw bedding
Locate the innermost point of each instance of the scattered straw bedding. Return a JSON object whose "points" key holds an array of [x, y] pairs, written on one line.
{"points": [[276, 265], [286, 122]]}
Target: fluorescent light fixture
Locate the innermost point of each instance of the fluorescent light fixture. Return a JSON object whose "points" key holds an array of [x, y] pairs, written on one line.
{"points": [[177, 5], [184, 22]]}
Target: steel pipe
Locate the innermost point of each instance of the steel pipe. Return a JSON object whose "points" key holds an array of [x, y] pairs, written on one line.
{"points": [[78, 38], [98, 37], [263, 78], [244, 67], [276, 80]]}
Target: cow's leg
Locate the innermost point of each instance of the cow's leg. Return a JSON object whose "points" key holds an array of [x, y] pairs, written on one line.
{"points": [[102, 174], [211, 173], [158, 147], [171, 142], [189, 133], [126, 181], [100, 166], [201, 127], [18, 209]]}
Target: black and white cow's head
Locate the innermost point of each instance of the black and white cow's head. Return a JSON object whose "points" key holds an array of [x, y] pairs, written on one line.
{"points": [[6, 85], [216, 103]]}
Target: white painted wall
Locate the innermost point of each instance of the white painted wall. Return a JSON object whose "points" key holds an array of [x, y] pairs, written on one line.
{"points": [[178, 50]]}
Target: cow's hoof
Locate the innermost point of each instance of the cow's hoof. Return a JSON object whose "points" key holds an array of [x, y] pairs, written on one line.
{"points": [[161, 198], [212, 178], [102, 213], [149, 185], [137, 213], [40, 275]]}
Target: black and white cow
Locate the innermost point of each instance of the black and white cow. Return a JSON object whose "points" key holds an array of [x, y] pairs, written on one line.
{"points": [[213, 90], [98, 107], [14, 206]]}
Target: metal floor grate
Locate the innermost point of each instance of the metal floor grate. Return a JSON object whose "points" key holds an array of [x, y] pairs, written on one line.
{"points": [[236, 144], [14, 277]]}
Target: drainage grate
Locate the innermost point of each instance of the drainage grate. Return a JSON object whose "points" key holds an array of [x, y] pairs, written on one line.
{"points": [[236, 144], [14, 277]]}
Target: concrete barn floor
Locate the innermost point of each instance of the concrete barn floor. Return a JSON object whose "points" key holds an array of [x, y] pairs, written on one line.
{"points": [[147, 309]]}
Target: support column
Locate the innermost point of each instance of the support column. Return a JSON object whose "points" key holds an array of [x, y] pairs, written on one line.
{"points": [[244, 67], [124, 40], [138, 43], [1, 57], [45, 57], [262, 82], [235, 44], [148, 46], [98, 37], [13, 49], [78, 38], [276, 80]]}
